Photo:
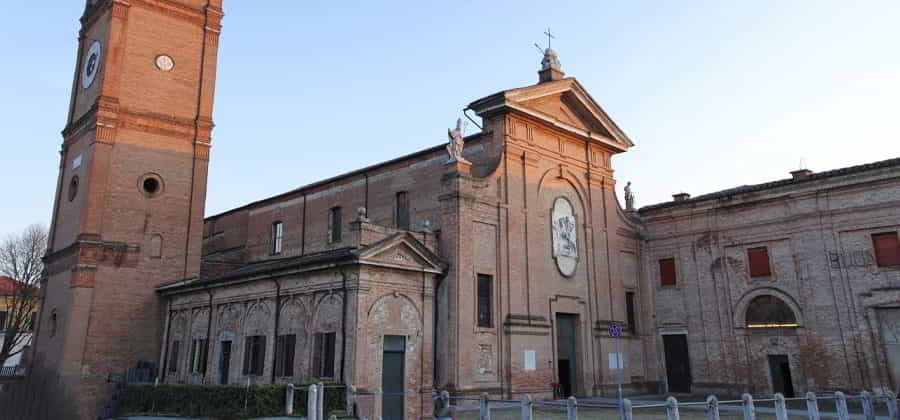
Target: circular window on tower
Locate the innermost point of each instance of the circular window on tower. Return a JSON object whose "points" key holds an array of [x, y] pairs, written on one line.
{"points": [[73, 188], [151, 185]]}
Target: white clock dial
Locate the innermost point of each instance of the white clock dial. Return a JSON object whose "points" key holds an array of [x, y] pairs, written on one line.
{"points": [[164, 62], [91, 65]]}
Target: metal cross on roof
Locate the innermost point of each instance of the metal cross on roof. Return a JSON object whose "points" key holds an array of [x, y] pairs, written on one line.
{"points": [[550, 37]]}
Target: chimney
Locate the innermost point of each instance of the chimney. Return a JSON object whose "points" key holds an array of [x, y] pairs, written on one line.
{"points": [[682, 196], [801, 173]]}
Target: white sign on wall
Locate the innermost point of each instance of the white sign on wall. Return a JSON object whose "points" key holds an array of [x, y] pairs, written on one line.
{"points": [[530, 360], [616, 361]]}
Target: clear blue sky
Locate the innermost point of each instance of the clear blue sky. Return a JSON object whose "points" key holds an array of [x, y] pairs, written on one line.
{"points": [[714, 94]]}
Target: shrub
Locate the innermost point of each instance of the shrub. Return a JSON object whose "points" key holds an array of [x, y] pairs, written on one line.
{"points": [[225, 402]]}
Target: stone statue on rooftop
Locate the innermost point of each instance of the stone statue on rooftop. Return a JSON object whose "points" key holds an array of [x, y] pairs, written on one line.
{"points": [[629, 197], [455, 147]]}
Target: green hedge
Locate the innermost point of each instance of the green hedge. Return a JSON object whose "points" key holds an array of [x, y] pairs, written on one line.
{"points": [[219, 401]]}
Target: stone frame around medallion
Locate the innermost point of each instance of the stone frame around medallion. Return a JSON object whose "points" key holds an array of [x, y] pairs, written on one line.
{"points": [[151, 185], [556, 260]]}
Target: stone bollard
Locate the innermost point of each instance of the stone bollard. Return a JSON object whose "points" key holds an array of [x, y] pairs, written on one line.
{"points": [[289, 399], [780, 407], [747, 406], [868, 409], [712, 408], [892, 405], [672, 409], [812, 406], [572, 409], [312, 399], [841, 405], [626, 409], [320, 402], [526, 407], [484, 410]]}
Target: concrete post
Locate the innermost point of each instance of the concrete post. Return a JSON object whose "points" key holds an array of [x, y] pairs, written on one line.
{"points": [[712, 408], [672, 409], [526, 407], [350, 399], [289, 399], [749, 410], [320, 401], [484, 411], [780, 407], [892, 405], [572, 409], [841, 405], [812, 406], [626, 409], [312, 399], [868, 409]]}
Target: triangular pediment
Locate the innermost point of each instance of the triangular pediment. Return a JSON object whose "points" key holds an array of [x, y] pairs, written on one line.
{"points": [[402, 251], [562, 103]]}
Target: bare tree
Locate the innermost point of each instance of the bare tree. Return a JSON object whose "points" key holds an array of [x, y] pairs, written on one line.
{"points": [[20, 259]]}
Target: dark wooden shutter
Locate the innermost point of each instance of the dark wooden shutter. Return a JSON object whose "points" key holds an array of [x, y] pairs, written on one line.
{"points": [[248, 348], [759, 262], [192, 362], [629, 313], [484, 300], [334, 222], [317, 355], [402, 210], [328, 356], [667, 272], [3, 315], [887, 249], [173, 357], [289, 344]]}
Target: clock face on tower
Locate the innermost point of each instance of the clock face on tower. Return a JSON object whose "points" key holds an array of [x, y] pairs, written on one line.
{"points": [[91, 65]]}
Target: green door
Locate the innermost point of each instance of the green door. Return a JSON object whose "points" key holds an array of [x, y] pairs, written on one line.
{"points": [[392, 375]]}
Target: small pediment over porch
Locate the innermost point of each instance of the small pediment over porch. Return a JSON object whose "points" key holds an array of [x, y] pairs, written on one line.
{"points": [[401, 251], [563, 104]]}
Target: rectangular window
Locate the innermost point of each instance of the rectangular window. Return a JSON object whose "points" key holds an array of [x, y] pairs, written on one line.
{"points": [[284, 354], [254, 354], [667, 272], [3, 315], [334, 224], [629, 313], [759, 261], [173, 356], [323, 355], [402, 210], [485, 287], [887, 249], [277, 237], [198, 356]]}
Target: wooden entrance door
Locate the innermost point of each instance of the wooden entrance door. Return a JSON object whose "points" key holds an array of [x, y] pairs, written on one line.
{"points": [[780, 370], [392, 377], [224, 362], [678, 363], [567, 353]]}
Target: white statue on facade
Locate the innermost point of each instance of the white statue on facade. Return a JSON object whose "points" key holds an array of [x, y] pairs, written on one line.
{"points": [[629, 197], [455, 147]]}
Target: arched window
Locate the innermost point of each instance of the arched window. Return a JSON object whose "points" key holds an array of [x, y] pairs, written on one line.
{"points": [[768, 311]]}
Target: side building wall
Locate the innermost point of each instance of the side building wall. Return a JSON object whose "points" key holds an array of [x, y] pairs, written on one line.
{"points": [[817, 233]]}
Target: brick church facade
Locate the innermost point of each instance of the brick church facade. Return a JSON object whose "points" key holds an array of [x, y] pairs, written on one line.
{"points": [[494, 263]]}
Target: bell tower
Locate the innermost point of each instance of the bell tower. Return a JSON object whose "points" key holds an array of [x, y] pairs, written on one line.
{"points": [[128, 214]]}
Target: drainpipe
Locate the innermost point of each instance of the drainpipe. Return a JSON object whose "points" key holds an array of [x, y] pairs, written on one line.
{"points": [[344, 320], [208, 333], [303, 234], [277, 321]]}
